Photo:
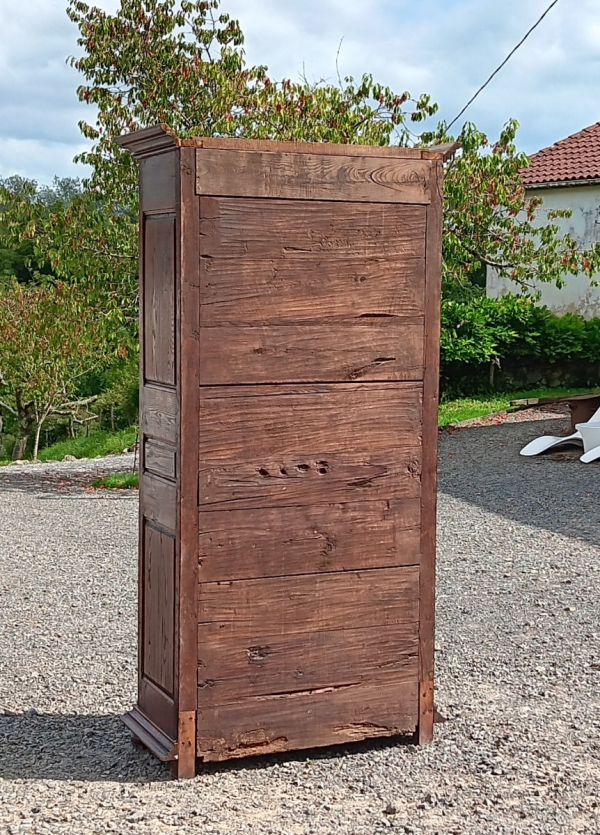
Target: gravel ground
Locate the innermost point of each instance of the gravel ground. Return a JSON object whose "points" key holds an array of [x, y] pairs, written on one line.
{"points": [[518, 667]]}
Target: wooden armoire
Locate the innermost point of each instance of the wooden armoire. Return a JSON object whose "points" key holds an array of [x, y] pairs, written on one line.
{"points": [[290, 299]]}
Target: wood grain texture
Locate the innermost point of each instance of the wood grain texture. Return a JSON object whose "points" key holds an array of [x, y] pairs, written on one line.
{"points": [[312, 176], [158, 183], [297, 287], [327, 148], [263, 421], [268, 229], [309, 603], [331, 716], [158, 500], [232, 669], [187, 517], [311, 478], [159, 413], [279, 541], [160, 459], [158, 658], [385, 349], [159, 299], [430, 456]]}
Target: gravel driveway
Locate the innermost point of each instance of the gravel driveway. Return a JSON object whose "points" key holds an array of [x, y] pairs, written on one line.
{"points": [[518, 665]]}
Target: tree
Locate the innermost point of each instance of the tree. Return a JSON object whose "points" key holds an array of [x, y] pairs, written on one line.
{"points": [[181, 62], [51, 338], [18, 257]]}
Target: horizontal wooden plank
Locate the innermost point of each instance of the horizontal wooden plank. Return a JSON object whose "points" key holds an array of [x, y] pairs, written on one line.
{"points": [[242, 423], [312, 176], [232, 669], [382, 707], [301, 287], [310, 479], [277, 145], [384, 349], [160, 459], [309, 603], [158, 500], [274, 229], [277, 541], [159, 414]]}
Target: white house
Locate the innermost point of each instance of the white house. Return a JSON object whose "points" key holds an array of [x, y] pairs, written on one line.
{"points": [[567, 176]]}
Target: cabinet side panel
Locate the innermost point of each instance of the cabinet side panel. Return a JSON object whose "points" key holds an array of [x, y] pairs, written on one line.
{"points": [[159, 441]]}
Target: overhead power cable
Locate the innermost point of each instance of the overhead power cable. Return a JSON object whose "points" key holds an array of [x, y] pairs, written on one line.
{"points": [[497, 70]]}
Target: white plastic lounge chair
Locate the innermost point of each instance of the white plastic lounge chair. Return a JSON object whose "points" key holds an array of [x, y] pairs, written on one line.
{"points": [[590, 433], [546, 442]]}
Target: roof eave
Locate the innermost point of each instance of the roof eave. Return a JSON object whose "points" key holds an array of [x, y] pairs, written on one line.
{"points": [[590, 181]]}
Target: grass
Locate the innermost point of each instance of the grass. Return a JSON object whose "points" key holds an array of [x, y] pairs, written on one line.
{"points": [[95, 445], [466, 408], [118, 481]]}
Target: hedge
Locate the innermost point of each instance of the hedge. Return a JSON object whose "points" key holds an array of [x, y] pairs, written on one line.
{"points": [[487, 343]]}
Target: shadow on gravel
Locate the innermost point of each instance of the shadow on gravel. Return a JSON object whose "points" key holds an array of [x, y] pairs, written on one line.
{"points": [[95, 748], [481, 465]]}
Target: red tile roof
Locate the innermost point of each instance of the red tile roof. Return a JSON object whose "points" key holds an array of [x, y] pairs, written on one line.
{"points": [[575, 158]]}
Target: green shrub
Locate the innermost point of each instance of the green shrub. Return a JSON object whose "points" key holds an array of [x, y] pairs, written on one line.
{"points": [[479, 334]]}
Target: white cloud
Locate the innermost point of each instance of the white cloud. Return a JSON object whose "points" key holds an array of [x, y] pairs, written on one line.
{"points": [[444, 47]]}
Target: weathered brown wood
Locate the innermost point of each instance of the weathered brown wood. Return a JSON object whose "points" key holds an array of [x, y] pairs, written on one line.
{"points": [[189, 315], [159, 608], [234, 669], [279, 541], [312, 176], [250, 229], [158, 182], [429, 473], [289, 337], [159, 499], [325, 148], [159, 299], [310, 602], [297, 288], [240, 421], [160, 459], [330, 716], [310, 478], [385, 349], [159, 415]]}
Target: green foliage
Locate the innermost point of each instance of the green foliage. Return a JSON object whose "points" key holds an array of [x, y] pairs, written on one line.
{"points": [[118, 481], [118, 405], [482, 331], [52, 336], [94, 445], [467, 408], [20, 201]]}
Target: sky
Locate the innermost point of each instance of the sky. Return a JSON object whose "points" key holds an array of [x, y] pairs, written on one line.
{"points": [[446, 48]]}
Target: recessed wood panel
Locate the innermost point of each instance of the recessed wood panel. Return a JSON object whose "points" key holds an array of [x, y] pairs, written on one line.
{"points": [[312, 176], [160, 459], [158, 501], [159, 416], [277, 541], [159, 299], [381, 707], [233, 669], [158, 571], [309, 603]]}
